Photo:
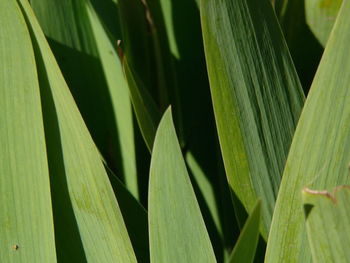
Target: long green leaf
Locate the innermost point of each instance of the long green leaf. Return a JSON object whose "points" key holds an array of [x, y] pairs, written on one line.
{"points": [[177, 229], [26, 221], [256, 96], [320, 150], [327, 218], [244, 250], [146, 111], [320, 16], [95, 77], [88, 223]]}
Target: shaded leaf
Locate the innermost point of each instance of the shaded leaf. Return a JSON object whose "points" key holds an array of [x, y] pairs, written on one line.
{"points": [[146, 111], [94, 75], [88, 222], [244, 250], [256, 95]]}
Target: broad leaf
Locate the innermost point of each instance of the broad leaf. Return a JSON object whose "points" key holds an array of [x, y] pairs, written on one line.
{"points": [[88, 223], [320, 150], [26, 221], [256, 96], [327, 218], [177, 230]]}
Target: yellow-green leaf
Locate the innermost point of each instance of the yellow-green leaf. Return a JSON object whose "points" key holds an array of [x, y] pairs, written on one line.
{"points": [[26, 221], [177, 229], [320, 151]]}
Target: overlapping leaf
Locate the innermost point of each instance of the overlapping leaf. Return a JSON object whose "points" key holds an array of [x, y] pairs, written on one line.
{"points": [[93, 72], [256, 95], [328, 224], [244, 250], [26, 221], [88, 223], [320, 16], [320, 150]]}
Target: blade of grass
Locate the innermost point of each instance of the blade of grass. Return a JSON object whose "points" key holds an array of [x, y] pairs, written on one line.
{"points": [[177, 230], [320, 150], [81, 189], [26, 220], [256, 95], [328, 224], [244, 250]]}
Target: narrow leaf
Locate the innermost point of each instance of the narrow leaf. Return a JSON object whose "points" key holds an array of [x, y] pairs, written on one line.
{"points": [[26, 221], [328, 224], [146, 111], [320, 151], [244, 250], [256, 96], [95, 77], [88, 223], [177, 229]]}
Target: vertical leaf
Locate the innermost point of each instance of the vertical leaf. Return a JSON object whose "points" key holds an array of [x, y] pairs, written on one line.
{"points": [[26, 221], [94, 75], [244, 250], [328, 224], [256, 96], [320, 150], [177, 229], [88, 222]]}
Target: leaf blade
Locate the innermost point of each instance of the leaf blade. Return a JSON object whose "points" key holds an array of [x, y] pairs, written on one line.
{"points": [[170, 239], [248, 64], [319, 153]]}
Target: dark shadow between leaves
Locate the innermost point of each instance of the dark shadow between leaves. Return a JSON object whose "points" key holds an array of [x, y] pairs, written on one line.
{"points": [[85, 78], [135, 218], [69, 246]]}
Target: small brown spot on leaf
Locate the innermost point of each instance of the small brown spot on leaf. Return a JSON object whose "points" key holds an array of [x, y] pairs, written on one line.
{"points": [[15, 247]]}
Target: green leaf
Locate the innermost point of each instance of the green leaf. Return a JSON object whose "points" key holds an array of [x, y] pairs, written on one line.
{"points": [[244, 250], [320, 151], [119, 96], [328, 224], [256, 95], [26, 232], [135, 218], [88, 222], [146, 111], [320, 16], [146, 45], [95, 77], [177, 230]]}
